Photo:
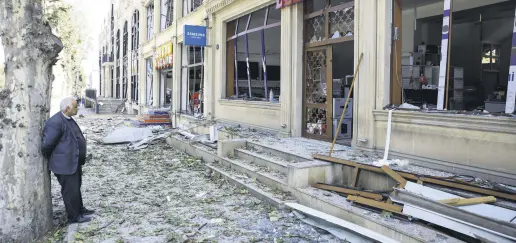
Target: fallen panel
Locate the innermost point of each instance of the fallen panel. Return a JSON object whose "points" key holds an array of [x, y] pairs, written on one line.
{"points": [[452, 217], [367, 233], [486, 210], [456, 225], [127, 135]]}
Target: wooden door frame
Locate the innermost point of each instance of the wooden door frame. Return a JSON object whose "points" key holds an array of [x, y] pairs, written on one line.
{"points": [[329, 94]]}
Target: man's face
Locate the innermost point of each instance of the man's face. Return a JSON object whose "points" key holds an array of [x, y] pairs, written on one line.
{"points": [[72, 111]]}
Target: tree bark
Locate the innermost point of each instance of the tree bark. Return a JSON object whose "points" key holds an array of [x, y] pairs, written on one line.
{"points": [[30, 52]]}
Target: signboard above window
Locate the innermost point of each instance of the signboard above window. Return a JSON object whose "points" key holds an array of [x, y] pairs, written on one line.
{"points": [[285, 3], [195, 35], [163, 58]]}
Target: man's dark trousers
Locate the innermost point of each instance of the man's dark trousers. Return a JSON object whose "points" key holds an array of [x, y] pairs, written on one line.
{"points": [[71, 192]]}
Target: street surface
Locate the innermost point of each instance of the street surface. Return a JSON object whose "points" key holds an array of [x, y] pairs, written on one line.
{"points": [[160, 194]]}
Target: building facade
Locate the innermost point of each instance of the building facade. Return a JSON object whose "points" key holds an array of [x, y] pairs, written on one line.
{"points": [[289, 69]]}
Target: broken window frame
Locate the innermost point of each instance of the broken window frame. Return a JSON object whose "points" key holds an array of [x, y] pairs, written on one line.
{"points": [[117, 65], [150, 21], [244, 33], [328, 8], [134, 52], [186, 95], [125, 60], [167, 14], [191, 5]]}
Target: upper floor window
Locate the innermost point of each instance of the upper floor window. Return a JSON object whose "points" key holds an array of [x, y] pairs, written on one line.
{"points": [[125, 39], [167, 13], [190, 6], [150, 21], [135, 34]]}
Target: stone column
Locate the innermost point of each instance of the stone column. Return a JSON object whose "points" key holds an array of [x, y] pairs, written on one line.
{"points": [[129, 61], [121, 60], [297, 71], [366, 90], [142, 96], [156, 75], [208, 95], [176, 74], [286, 72]]}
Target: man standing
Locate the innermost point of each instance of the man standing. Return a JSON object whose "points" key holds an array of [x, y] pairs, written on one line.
{"points": [[65, 147]]}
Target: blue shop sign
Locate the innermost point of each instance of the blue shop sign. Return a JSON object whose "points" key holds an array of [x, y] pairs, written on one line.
{"points": [[195, 35]]}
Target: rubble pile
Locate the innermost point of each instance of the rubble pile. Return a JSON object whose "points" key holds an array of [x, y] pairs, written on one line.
{"points": [[160, 194]]}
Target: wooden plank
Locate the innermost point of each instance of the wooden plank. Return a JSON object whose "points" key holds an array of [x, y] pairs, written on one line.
{"points": [[397, 177], [354, 179], [376, 204], [413, 177], [468, 201], [470, 188], [348, 191]]}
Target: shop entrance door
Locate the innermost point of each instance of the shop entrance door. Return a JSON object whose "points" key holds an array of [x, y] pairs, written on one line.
{"points": [[317, 93]]}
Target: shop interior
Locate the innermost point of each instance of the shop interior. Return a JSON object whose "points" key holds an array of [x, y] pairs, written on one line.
{"points": [[480, 50], [165, 88], [254, 40], [192, 80]]}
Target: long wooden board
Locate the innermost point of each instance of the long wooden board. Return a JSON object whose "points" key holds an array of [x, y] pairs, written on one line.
{"points": [[413, 177], [375, 204], [468, 201], [348, 191]]}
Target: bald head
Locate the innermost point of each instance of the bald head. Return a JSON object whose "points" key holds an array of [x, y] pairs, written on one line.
{"points": [[69, 106]]}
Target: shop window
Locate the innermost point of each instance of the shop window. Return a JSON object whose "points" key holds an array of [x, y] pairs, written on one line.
{"points": [[150, 21], [117, 65], [191, 5], [478, 56], [192, 81], [253, 56], [125, 61], [135, 35], [167, 11], [148, 81]]}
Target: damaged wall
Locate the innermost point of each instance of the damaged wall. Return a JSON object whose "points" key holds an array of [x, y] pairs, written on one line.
{"points": [[474, 145]]}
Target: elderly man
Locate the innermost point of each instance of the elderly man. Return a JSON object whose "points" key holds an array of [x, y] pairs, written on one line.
{"points": [[65, 147]]}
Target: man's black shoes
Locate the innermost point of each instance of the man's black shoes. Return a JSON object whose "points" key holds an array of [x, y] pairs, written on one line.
{"points": [[85, 211], [79, 220]]}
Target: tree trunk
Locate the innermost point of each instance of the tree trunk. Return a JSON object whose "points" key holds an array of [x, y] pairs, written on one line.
{"points": [[30, 52]]}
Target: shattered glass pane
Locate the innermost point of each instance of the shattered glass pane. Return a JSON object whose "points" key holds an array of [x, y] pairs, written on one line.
{"points": [[342, 22], [316, 77], [315, 29], [316, 121]]}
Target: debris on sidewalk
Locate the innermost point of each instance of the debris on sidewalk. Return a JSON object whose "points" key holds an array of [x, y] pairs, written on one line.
{"points": [[160, 194]]}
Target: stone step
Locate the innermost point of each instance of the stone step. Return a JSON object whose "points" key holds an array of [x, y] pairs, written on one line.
{"points": [[274, 179], [254, 187], [275, 153], [263, 160]]}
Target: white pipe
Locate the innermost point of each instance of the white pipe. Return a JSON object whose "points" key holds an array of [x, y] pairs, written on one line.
{"points": [[388, 137]]}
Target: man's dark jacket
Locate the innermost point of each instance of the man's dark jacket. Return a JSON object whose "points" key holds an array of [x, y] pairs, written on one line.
{"points": [[60, 145]]}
